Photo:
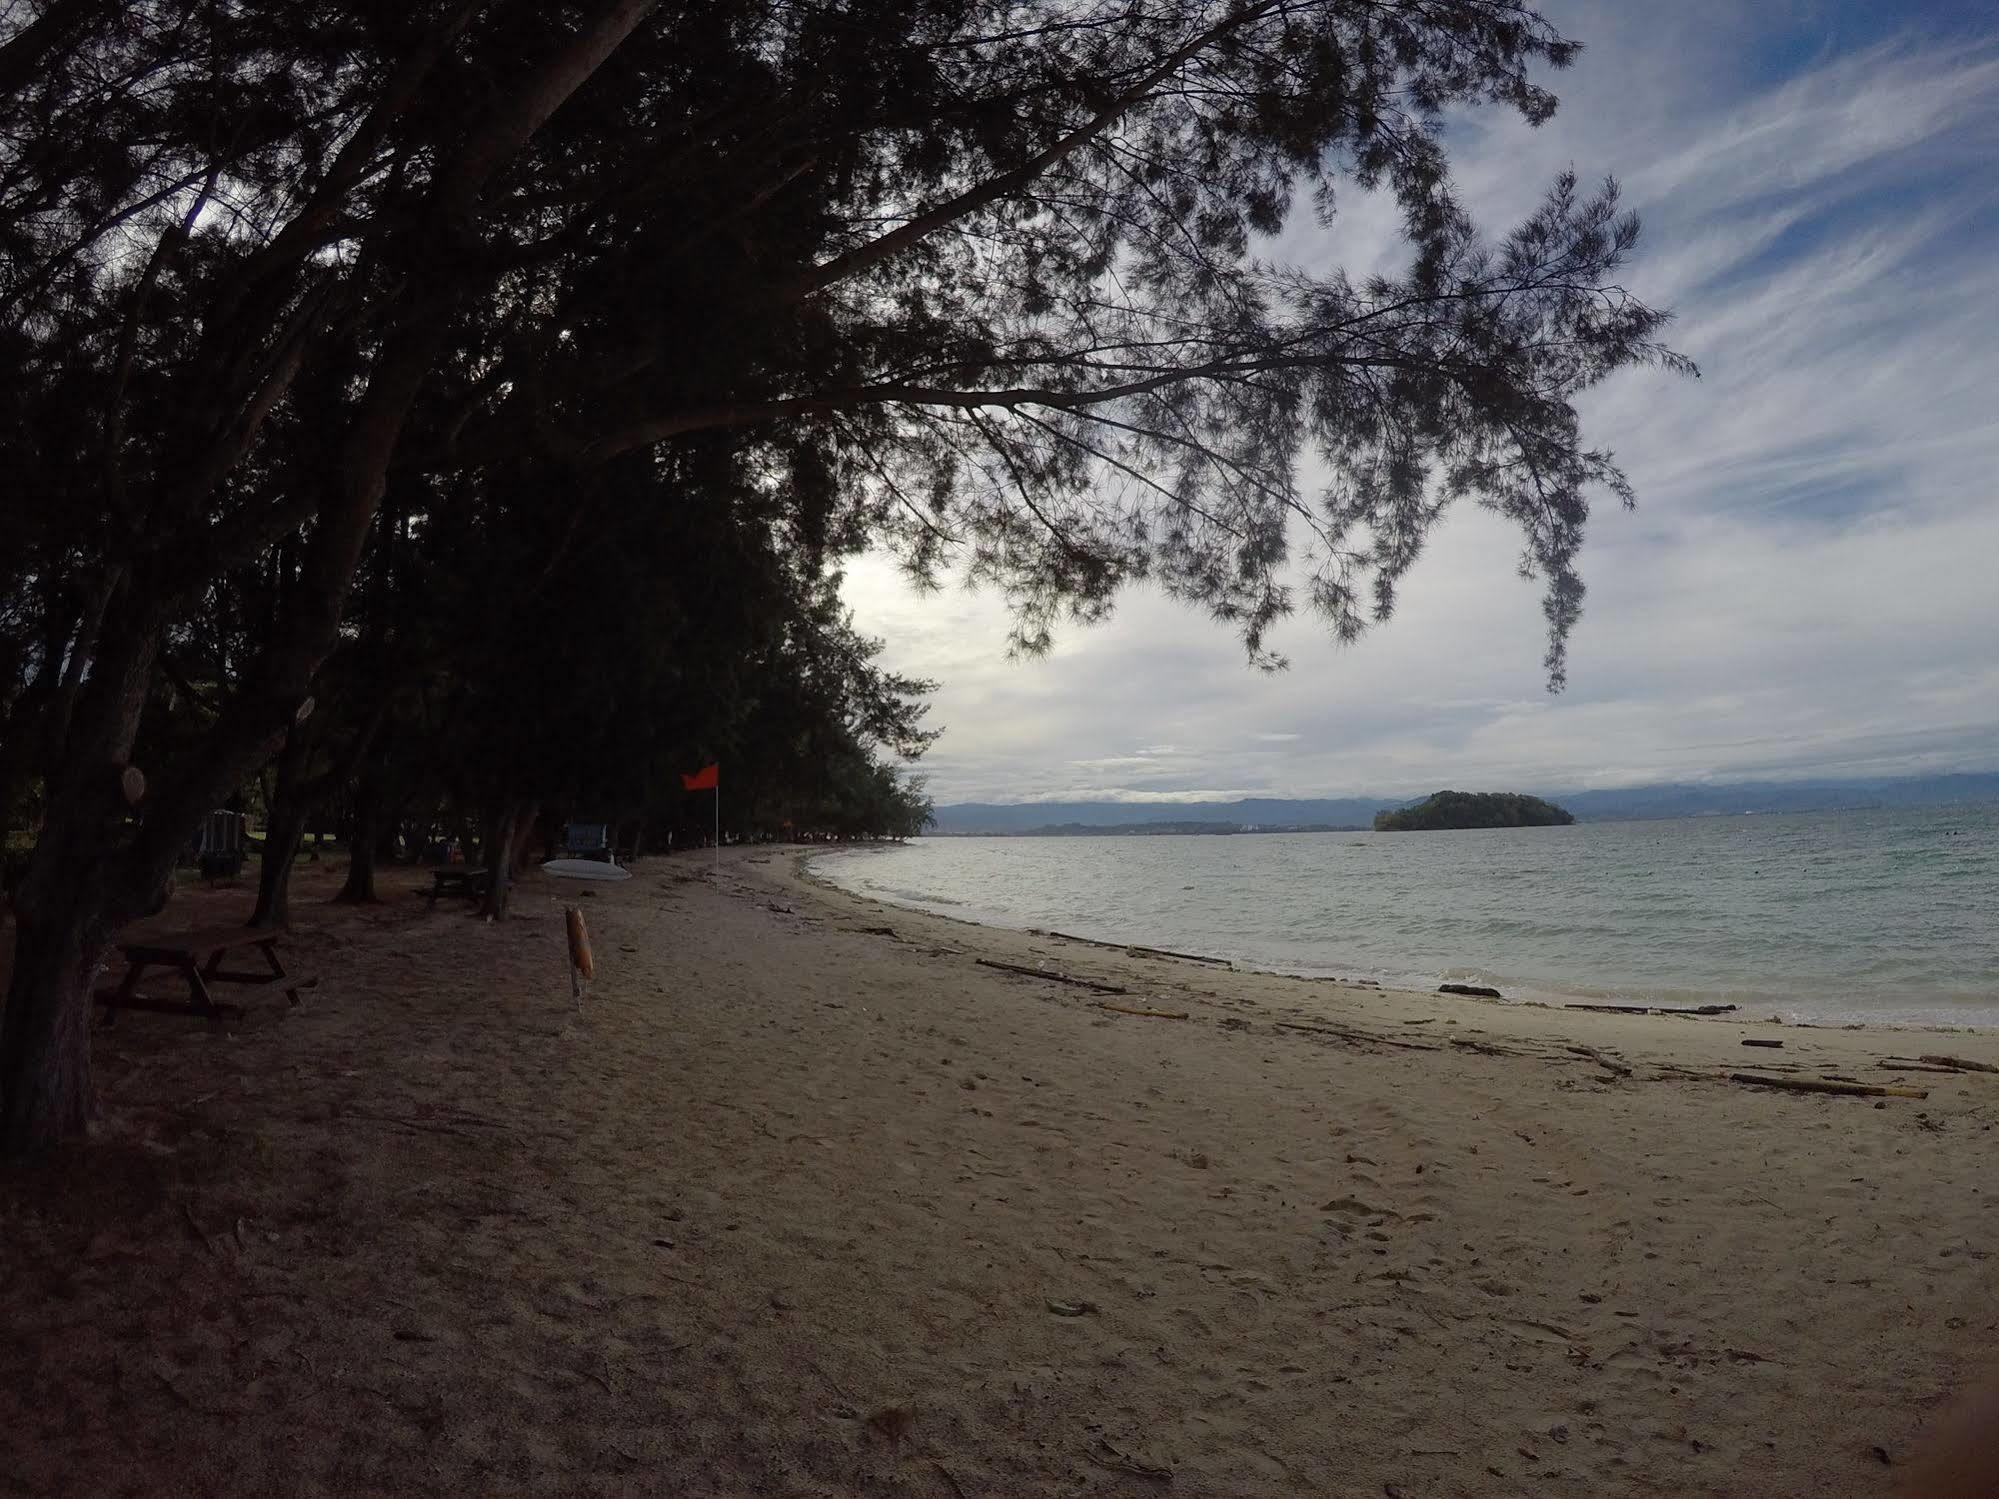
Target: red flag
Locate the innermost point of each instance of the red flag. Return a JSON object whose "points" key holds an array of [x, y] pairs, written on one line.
{"points": [[707, 778]]}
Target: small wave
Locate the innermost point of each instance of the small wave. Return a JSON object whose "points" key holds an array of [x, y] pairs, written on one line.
{"points": [[917, 896]]}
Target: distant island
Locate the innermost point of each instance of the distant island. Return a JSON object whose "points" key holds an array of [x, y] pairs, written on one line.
{"points": [[1624, 803], [1473, 809]]}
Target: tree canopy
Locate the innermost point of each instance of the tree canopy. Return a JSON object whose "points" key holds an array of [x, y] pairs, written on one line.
{"points": [[290, 293]]}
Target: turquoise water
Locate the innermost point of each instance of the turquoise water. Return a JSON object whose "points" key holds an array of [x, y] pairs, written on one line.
{"points": [[1876, 916]]}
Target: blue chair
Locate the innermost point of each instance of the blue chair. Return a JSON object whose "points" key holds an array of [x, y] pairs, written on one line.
{"points": [[587, 840], [219, 847]]}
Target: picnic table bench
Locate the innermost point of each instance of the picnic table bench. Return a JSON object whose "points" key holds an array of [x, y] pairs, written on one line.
{"points": [[197, 957], [470, 883]]}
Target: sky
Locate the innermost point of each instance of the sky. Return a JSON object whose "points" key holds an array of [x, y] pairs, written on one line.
{"points": [[1810, 585]]}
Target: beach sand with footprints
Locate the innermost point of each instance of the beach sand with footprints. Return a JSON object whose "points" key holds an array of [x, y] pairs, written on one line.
{"points": [[806, 1199]]}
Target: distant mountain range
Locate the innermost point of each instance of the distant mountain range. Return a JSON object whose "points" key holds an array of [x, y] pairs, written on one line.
{"points": [[1625, 804]]}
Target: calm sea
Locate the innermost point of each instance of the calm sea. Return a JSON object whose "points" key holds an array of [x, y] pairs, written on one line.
{"points": [[1880, 916]]}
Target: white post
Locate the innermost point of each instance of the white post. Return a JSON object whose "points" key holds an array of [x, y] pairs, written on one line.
{"points": [[718, 822]]}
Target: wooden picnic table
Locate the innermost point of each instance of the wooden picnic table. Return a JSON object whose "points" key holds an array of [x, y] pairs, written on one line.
{"points": [[470, 883], [197, 957]]}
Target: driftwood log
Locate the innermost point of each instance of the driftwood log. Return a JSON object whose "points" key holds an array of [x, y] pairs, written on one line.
{"points": [[1185, 957], [1962, 1064], [1655, 1009], [1476, 991], [1823, 1085], [1128, 947], [1365, 1038], [1053, 977], [1600, 1059], [1154, 1014]]}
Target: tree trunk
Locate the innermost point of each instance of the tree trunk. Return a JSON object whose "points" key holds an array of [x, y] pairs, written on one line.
{"points": [[274, 874], [360, 887], [523, 836], [498, 852], [291, 807], [84, 880], [45, 1039]]}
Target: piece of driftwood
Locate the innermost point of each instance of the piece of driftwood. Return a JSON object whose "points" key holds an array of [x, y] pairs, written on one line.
{"points": [[1038, 931], [1600, 1059], [1364, 1037], [1963, 1064], [1058, 978], [1128, 947], [1655, 1009], [1823, 1085], [1760, 1041], [1155, 1014], [1185, 957], [1894, 1066], [1476, 991]]}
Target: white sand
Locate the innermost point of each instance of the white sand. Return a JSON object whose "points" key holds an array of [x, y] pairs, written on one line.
{"points": [[784, 1174]]}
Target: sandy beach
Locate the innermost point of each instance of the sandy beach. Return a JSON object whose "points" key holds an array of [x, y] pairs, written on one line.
{"points": [[805, 1199]]}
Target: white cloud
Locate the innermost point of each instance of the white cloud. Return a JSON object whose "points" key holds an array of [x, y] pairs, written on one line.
{"points": [[1808, 585]]}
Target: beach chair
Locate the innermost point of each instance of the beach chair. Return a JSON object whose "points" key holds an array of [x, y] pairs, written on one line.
{"points": [[587, 840], [219, 847]]}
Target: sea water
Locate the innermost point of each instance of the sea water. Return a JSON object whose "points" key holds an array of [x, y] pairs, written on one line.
{"points": [[1882, 916]]}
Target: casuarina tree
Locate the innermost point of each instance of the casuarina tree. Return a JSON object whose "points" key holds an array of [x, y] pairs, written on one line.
{"points": [[984, 275]]}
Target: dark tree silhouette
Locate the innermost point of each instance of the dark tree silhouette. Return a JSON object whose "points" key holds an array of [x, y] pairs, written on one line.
{"points": [[953, 273]]}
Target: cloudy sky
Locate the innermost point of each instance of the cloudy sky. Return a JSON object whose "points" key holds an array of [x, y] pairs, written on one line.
{"points": [[1811, 583]]}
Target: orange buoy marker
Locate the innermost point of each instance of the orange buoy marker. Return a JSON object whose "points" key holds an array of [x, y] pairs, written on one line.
{"points": [[581, 965]]}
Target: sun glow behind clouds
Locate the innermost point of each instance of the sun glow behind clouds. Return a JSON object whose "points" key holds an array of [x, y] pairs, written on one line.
{"points": [[1807, 586]]}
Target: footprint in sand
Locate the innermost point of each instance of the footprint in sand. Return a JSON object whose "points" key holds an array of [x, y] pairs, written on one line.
{"points": [[1534, 1332], [1353, 1205]]}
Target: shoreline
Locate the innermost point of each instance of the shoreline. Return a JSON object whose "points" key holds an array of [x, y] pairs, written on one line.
{"points": [[814, 1195], [1518, 993], [1675, 1038]]}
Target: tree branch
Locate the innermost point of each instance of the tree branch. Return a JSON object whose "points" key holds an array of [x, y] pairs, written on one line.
{"points": [[883, 247]]}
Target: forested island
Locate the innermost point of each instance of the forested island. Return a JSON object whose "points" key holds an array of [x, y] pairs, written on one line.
{"points": [[1472, 809]]}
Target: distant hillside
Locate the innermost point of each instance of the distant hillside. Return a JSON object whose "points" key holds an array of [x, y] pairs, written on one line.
{"points": [[1473, 809], [1037, 817], [1635, 802], [1625, 803], [1182, 827]]}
